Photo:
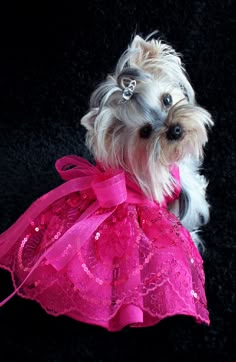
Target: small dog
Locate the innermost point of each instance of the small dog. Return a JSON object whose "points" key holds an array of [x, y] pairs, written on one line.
{"points": [[102, 247], [144, 119]]}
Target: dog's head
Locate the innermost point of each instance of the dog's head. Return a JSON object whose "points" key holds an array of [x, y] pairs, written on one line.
{"points": [[144, 118]]}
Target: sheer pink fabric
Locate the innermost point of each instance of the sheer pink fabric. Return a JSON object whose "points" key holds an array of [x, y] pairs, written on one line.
{"points": [[97, 250]]}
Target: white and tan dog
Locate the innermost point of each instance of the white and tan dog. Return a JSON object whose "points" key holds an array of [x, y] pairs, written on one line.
{"points": [[144, 118]]}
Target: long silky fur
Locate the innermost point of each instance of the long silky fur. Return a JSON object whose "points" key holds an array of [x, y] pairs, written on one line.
{"points": [[114, 124]]}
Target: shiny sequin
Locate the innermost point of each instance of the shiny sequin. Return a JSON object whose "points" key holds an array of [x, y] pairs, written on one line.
{"points": [[20, 252], [99, 281], [194, 294], [97, 236]]}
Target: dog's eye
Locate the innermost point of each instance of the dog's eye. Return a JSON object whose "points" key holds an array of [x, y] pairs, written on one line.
{"points": [[167, 100], [145, 131]]}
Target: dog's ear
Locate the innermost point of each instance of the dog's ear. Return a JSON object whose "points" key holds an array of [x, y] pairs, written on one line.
{"points": [[155, 56], [148, 52], [89, 119]]}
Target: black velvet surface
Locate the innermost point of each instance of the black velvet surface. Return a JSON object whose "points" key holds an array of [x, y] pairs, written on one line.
{"points": [[50, 61]]}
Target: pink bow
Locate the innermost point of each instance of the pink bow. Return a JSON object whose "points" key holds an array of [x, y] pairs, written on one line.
{"points": [[109, 186]]}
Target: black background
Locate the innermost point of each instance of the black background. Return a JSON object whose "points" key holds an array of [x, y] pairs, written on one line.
{"points": [[50, 61]]}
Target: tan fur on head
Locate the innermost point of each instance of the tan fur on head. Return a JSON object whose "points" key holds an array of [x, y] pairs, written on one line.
{"points": [[146, 54], [194, 121]]}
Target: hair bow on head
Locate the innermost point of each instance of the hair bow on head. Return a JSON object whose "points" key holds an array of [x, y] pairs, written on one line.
{"points": [[129, 90]]}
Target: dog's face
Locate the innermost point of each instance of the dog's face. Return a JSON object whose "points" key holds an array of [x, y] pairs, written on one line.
{"points": [[143, 118]]}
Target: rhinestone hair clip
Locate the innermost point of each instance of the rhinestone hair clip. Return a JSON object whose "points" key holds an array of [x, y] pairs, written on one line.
{"points": [[129, 90]]}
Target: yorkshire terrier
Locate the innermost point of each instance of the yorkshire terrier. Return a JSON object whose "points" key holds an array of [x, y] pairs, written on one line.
{"points": [[102, 247], [144, 118]]}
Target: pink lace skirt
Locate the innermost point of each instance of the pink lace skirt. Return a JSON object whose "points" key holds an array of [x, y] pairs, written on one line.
{"points": [[138, 267]]}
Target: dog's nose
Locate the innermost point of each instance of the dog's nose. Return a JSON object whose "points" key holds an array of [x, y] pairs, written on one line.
{"points": [[174, 133]]}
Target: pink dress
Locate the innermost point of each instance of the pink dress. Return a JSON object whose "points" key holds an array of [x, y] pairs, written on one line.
{"points": [[97, 250]]}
